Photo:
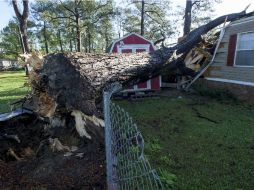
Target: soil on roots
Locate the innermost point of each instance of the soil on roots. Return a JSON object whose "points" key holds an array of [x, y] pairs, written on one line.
{"points": [[36, 166]]}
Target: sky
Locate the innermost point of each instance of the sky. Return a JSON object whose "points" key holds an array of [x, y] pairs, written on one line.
{"points": [[227, 6]]}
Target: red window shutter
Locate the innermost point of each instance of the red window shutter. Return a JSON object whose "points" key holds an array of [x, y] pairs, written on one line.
{"points": [[231, 49]]}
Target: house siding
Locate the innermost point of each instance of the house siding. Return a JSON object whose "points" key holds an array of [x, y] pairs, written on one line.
{"points": [[219, 69], [242, 92]]}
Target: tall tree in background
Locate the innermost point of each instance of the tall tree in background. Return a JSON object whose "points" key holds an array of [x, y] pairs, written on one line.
{"points": [[22, 18], [187, 17], [11, 39], [106, 33], [96, 22], [142, 27], [149, 18], [68, 11], [39, 12], [10, 42], [197, 12], [81, 18], [57, 29]]}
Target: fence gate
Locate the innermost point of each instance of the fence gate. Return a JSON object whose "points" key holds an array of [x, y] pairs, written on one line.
{"points": [[127, 167]]}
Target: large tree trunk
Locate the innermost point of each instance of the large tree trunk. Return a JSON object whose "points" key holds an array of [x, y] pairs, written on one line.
{"points": [[21, 40], [45, 37], [60, 40], [70, 45], [75, 81], [23, 29], [142, 18], [22, 22], [187, 17], [78, 38], [78, 33], [89, 42]]}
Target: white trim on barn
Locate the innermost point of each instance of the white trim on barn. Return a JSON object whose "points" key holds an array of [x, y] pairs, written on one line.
{"points": [[230, 81], [113, 45], [133, 47], [149, 84]]}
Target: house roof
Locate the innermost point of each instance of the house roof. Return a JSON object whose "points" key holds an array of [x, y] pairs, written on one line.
{"points": [[242, 20]]}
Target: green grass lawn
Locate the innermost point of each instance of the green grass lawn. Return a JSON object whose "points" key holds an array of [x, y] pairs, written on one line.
{"points": [[11, 88], [205, 143]]}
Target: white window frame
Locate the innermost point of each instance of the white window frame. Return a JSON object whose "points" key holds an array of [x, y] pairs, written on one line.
{"points": [[236, 49]]}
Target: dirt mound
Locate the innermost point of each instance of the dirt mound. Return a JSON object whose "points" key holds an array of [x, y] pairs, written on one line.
{"points": [[29, 159]]}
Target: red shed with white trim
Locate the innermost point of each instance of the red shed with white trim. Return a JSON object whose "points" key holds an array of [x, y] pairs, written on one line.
{"points": [[133, 43]]}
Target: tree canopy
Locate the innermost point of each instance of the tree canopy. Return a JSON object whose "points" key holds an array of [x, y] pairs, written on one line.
{"points": [[90, 26]]}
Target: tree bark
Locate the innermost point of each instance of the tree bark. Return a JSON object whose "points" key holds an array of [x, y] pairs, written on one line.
{"points": [[78, 36], [45, 37], [22, 22], [106, 40], [60, 40], [187, 17], [142, 18], [89, 42], [70, 45], [78, 33], [21, 40]]}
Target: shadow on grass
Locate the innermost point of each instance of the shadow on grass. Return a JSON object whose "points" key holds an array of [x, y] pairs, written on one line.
{"points": [[21, 91], [202, 154]]}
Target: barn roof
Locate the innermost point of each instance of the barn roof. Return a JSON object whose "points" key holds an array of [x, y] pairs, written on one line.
{"points": [[109, 49]]}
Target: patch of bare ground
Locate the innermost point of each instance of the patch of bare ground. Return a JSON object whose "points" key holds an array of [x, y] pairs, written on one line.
{"points": [[27, 160]]}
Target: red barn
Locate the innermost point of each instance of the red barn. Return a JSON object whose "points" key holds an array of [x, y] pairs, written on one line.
{"points": [[133, 43]]}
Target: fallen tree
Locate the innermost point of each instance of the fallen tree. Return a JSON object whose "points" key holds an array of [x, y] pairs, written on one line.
{"points": [[66, 100], [72, 83]]}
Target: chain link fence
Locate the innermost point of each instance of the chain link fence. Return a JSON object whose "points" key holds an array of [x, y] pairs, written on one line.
{"points": [[127, 167]]}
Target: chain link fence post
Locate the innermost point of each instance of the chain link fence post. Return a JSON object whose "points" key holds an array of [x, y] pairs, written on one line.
{"points": [[107, 93]]}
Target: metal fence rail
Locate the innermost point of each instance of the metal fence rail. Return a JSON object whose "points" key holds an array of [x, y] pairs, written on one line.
{"points": [[127, 167]]}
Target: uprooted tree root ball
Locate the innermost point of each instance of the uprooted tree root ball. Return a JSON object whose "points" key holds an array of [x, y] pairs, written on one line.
{"points": [[34, 155]]}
